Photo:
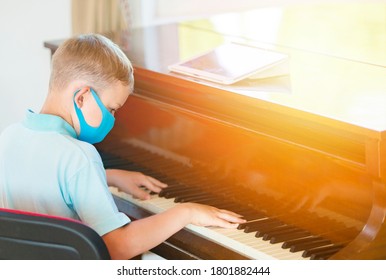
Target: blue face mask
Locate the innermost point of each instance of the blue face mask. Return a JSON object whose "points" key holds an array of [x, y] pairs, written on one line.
{"points": [[92, 134]]}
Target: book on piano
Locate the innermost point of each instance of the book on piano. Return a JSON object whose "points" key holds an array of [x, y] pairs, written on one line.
{"points": [[233, 62]]}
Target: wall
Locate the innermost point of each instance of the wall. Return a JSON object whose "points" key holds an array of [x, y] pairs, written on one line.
{"points": [[24, 62]]}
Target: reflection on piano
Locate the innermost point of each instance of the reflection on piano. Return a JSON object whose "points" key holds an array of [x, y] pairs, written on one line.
{"points": [[309, 179]]}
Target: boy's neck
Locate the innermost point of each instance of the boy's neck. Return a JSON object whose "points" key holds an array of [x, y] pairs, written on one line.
{"points": [[54, 105]]}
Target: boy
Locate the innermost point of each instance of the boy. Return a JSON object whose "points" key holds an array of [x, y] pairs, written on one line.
{"points": [[48, 165]]}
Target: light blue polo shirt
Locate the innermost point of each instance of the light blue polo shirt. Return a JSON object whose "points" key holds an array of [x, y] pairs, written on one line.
{"points": [[45, 169]]}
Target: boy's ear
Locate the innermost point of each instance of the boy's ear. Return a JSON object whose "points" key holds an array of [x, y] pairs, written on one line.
{"points": [[79, 96]]}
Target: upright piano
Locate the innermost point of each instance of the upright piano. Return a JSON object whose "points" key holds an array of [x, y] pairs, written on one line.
{"points": [[302, 156]]}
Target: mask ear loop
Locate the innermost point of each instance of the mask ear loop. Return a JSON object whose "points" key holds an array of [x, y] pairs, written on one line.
{"points": [[78, 110]]}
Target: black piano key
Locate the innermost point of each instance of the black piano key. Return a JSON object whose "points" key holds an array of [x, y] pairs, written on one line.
{"points": [[246, 213], [288, 236], [269, 233], [277, 229], [324, 255], [211, 188], [181, 173], [280, 228], [258, 216], [220, 203], [168, 191], [320, 250], [180, 199], [174, 185], [253, 215], [258, 220], [189, 197], [262, 224], [200, 194], [168, 195], [309, 245], [242, 226], [203, 199], [186, 191], [206, 200], [171, 182], [259, 233], [229, 206], [305, 240], [181, 191]]}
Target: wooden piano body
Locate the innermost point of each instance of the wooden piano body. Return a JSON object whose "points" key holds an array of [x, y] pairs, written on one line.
{"points": [[307, 149]]}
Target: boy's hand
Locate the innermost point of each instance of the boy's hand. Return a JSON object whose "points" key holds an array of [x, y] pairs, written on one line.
{"points": [[133, 183], [204, 215]]}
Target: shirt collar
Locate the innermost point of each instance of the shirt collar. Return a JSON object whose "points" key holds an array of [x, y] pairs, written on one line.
{"points": [[45, 122]]}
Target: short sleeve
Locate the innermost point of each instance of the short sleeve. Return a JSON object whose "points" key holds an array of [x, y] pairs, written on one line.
{"points": [[91, 199]]}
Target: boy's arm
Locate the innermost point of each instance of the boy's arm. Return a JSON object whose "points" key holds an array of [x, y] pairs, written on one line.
{"points": [[140, 236]]}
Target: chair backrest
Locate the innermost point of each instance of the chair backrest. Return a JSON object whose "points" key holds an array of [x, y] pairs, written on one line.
{"points": [[26, 236]]}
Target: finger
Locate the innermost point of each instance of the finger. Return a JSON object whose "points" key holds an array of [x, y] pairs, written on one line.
{"points": [[139, 193], [153, 184], [150, 186], [225, 224], [157, 182], [230, 212], [230, 217]]}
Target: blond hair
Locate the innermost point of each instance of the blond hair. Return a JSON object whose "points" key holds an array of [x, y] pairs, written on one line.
{"points": [[92, 58]]}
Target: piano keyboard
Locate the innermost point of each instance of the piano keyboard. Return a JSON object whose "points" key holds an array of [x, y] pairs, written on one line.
{"points": [[244, 243], [262, 237]]}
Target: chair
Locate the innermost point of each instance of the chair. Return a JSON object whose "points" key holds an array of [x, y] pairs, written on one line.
{"points": [[26, 236]]}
